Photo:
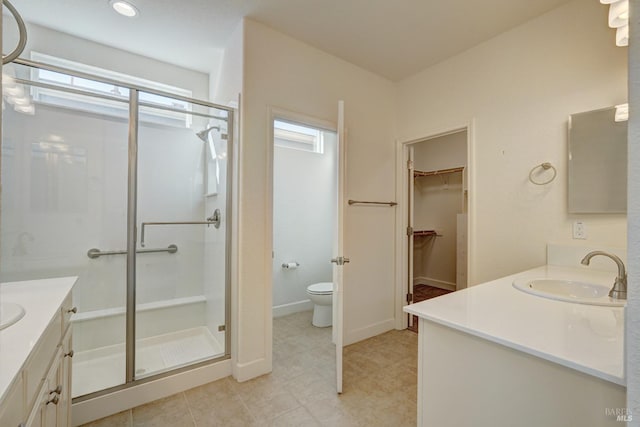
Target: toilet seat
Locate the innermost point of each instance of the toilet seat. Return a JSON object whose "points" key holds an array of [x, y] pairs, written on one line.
{"points": [[323, 288]]}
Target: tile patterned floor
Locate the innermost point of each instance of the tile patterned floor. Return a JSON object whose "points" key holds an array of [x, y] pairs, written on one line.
{"points": [[379, 389]]}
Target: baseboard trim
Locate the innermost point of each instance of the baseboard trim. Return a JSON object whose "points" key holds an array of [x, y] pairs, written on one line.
{"points": [[441, 284], [247, 371], [121, 400], [293, 307], [360, 334]]}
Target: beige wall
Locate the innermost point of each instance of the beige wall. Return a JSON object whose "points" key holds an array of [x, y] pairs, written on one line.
{"points": [[283, 73], [518, 90], [226, 89], [438, 200], [225, 80], [443, 152]]}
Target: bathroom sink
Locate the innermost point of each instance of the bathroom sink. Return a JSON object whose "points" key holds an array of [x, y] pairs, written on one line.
{"points": [[10, 313], [569, 290]]}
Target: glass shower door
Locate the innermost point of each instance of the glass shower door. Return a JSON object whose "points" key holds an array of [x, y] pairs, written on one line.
{"points": [[64, 203], [181, 220]]}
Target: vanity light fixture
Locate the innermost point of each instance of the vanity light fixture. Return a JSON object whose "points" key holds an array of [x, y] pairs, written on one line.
{"points": [[124, 8], [619, 19]]}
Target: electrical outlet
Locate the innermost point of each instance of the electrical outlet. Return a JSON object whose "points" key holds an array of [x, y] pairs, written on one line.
{"points": [[579, 230]]}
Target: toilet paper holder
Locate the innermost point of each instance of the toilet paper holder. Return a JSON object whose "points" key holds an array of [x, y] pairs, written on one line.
{"points": [[290, 265]]}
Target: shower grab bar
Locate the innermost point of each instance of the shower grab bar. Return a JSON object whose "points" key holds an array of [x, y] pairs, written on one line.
{"points": [[359, 202], [212, 220], [97, 253]]}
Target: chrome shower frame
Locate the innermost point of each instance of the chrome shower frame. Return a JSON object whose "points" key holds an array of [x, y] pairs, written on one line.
{"points": [[22, 29], [134, 106]]}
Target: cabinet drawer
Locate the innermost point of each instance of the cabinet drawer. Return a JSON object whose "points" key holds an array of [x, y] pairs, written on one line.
{"points": [[67, 309], [12, 411], [39, 362]]}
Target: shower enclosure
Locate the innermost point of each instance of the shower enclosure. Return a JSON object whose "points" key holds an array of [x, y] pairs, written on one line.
{"points": [[88, 164]]}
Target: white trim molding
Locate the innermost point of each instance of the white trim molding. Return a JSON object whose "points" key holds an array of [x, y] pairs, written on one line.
{"points": [[402, 276], [118, 401]]}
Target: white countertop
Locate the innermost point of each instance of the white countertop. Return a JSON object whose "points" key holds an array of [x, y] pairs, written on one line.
{"points": [[41, 300], [586, 338]]}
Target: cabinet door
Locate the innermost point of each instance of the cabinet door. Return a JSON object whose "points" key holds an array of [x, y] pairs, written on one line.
{"points": [[64, 378], [52, 399], [12, 407], [37, 414], [45, 408], [50, 416]]}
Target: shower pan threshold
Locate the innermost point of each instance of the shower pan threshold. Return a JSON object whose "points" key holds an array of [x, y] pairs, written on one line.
{"points": [[104, 367]]}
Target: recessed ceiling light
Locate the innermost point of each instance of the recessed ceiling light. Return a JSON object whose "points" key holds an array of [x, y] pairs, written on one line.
{"points": [[124, 8]]}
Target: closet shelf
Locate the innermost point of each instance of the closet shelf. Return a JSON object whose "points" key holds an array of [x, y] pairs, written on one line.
{"points": [[417, 173], [426, 233]]}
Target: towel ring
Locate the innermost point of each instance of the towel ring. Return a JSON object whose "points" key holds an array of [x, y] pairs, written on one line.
{"points": [[544, 166]]}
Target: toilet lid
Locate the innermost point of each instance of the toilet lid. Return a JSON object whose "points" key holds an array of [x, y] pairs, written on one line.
{"points": [[320, 288]]}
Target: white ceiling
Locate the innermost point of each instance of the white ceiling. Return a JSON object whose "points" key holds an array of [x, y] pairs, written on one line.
{"points": [[393, 38]]}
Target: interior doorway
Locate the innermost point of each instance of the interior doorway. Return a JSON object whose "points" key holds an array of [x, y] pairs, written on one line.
{"points": [[437, 220], [305, 204]]}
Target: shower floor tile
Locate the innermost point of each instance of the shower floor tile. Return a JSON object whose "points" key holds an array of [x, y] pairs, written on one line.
{"points": [[104, 367]]}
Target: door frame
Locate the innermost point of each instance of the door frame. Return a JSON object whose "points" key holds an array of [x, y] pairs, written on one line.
{"points": [[409, 193], [402, 254]]}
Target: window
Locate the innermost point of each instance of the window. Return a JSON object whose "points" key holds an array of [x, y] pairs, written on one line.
{"points": [[296, 136], [106, 106]]}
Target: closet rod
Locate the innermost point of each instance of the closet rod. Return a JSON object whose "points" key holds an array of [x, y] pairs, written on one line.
{"points": [[353, 202], [417, 173]]}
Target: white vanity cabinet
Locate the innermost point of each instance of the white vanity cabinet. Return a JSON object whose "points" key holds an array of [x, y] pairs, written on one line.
{"points": [[493, 356], [12, 407], [40, 393], [52, 406], [468, 381]]}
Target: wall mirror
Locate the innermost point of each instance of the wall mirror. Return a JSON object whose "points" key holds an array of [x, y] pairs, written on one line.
{"points": [[598, 161]]}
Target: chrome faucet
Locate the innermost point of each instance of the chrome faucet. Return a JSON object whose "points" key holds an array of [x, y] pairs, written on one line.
{"points": [[619, 289]]}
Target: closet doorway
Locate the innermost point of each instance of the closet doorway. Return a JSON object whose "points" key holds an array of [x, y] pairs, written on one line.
{"points": [[437, 220]]}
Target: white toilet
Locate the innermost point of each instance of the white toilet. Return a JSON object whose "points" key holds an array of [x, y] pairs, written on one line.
{"points": [[321, 294]]}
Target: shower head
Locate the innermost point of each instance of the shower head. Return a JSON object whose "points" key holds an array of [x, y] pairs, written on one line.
{"points": [[204, 133]]}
